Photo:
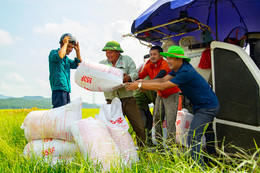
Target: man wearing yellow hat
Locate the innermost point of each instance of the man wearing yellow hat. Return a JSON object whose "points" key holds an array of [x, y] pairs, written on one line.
{"points": [[129, 106], [196, 89]]}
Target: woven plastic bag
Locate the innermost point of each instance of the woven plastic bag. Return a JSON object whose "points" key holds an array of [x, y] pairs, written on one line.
{"points": [[183, 121], [54, 123], [98, 77], [50, 148], [95, 142], [164, 131], [112, 116]]}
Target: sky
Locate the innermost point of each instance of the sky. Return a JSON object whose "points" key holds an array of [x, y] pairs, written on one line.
{"points": [[30, 29]]}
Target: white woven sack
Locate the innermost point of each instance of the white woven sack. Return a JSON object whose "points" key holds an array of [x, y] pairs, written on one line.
{"points": [[98, 77], [112, 116], [50, 148], [183, 121], [125, 143], [95, 142], [164, 130], [54, 123], [54, 160]]}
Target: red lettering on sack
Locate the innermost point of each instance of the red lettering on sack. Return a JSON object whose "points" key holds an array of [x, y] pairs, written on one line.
{"points": [[178, 122], [164, 124], [48, 151], [118, 121], [86, 79], [187, 124], [47, 140], [87, 89]]}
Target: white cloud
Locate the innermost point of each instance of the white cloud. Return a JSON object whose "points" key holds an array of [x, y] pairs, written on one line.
{"points": [[56, 29], [6, 38], [4, 63], [42, 83], [15, 77], [26, 88], [141, 4], [4, 86]]}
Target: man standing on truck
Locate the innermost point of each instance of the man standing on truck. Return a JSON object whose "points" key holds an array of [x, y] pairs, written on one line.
{"points": [[197, 90], [59, 67]]}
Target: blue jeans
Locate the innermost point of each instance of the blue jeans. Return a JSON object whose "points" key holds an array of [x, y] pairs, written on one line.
{"points": [[60, 98], [202, 117]]}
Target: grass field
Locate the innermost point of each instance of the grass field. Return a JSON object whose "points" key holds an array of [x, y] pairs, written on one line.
{"points": [[12, 143]]}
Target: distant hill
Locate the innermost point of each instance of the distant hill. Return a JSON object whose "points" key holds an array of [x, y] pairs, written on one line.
{"points": [[19, 103], [32, 97], [4, 97], [30, 102]]}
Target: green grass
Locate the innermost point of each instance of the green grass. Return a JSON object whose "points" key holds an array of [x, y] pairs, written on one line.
{"points": [[12, 143]]}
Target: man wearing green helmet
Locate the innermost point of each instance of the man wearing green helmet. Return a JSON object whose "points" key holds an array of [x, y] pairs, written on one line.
{"points": [[59, 68], [129, 106], [197, 90]]}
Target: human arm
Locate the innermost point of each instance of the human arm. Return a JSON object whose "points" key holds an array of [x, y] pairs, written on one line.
{"points": [[131, 73], [157, 80], [143, 73], [62, 51], [77, 49], [150, 86], [77, 60], [161, 74]]}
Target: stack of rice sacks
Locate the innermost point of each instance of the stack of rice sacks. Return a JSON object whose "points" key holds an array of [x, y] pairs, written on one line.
{"points": [[48, 132], [105, 139]]}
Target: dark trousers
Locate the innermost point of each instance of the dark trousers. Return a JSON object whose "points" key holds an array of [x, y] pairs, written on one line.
{"points": [[131, 110], [201, 118], [60, 98]]}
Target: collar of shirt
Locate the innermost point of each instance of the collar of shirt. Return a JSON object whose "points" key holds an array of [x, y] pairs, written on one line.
{"points": [[157, 64]]}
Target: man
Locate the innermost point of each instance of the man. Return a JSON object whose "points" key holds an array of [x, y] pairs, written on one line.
{"points": [[166, 104], [196, 89], [129, 106], [143, 99], [59, 68]]}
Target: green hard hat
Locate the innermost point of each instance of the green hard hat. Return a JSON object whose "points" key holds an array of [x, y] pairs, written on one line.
{"points": [[112, 45]]}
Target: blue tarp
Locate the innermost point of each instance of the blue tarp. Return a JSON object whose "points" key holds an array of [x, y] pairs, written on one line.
{"points": [[230, 14]]}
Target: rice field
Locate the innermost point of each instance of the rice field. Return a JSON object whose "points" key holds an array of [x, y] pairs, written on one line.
{"points": [[12, 143]]}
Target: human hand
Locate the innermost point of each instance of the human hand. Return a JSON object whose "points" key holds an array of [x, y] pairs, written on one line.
{"points": [[66, 39], [76, 46], [127, 78], [129, 86], [140, 80]]}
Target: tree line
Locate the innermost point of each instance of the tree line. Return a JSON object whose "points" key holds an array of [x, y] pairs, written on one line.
{"points": [[45, 103]]}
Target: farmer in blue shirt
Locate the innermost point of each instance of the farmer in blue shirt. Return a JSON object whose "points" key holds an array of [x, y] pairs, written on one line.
{"points": [[196, 89], [59, 67]]}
